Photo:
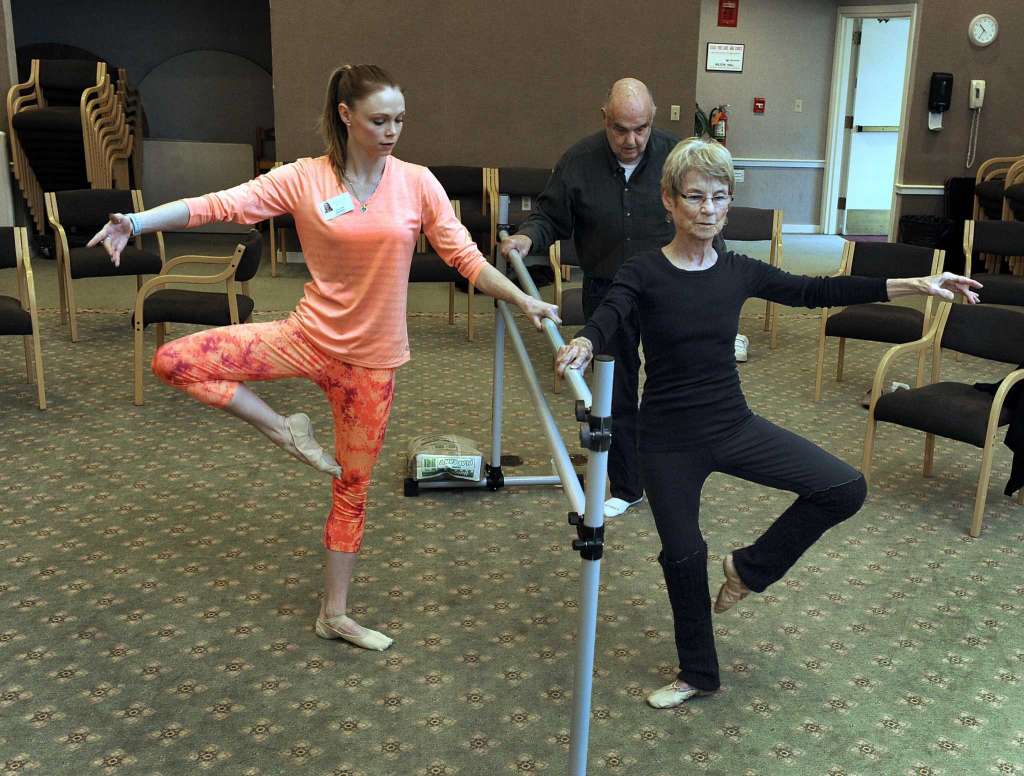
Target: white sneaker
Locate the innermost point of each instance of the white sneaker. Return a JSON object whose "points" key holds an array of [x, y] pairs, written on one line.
{"points": [[894, 386], [742, 344], [616, 507]]}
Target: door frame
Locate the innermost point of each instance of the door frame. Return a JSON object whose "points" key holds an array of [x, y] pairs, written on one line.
{"points": [[837, 135]]}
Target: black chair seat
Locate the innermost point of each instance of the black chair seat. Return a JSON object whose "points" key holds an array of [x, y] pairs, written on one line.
{"points": [[571, 311], [430, 268], [174, 305], [284, 221], [1001, 289], [952, 410], [13, 320], [95, 263], [59, 119], [877, 322]]}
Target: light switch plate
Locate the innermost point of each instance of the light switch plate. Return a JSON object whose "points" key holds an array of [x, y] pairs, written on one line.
{"points": [[798, 106], [740, 175], [674, 113]]}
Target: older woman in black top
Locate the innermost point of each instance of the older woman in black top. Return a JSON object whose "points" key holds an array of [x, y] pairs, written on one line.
{"points": [[694, 419]]}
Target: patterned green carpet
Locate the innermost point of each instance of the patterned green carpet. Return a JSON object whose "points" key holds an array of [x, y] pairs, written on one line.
{"points": [[160, 567]]}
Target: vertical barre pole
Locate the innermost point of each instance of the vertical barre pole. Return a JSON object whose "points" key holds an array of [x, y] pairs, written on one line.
{"points": [[590, 547], [497, 388]]}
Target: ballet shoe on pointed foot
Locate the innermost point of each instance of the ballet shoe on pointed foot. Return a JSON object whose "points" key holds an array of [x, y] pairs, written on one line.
{"points": [[340, 627], [675, 694], [300, 429], [732, 590]]}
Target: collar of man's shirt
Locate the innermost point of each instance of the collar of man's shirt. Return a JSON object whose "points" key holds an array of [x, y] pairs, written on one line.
{"points": [[616, 166]]}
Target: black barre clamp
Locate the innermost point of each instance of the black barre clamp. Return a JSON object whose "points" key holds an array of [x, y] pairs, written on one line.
{"points": [[597, 436], [495, 477], [590, 544]]}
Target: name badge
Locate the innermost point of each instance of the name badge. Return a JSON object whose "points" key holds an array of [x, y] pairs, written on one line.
{"points": [[336, 206]]}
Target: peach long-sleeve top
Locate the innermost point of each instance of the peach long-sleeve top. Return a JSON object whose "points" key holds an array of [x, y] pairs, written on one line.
{"points": [[354, 308]]}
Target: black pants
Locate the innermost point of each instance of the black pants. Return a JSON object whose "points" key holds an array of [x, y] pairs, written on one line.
{"points": [[828, 491], [623, 457]]}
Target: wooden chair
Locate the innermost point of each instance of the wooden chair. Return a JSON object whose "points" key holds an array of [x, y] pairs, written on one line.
{"points": [[1013, 193], [953, 410], [18, 315], [562, 255], [470, 186], [1000, 245], [75, 217], [878, 322], [428, 267], [157, 304], [50, 123], [989, 183], [759, 224]]}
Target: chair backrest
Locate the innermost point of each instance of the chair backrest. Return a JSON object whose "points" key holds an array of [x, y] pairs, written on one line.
{"points": [[62, 81], [8, 247], [91, 207], [523, 181], [522, 185], [749, 223], [995, 333], [567, 254], [460, 180], [891, 260], [1002, 238], [249, 264]]}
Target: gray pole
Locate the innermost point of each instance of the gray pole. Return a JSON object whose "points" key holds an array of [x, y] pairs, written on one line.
{"points": [[596, 437]]}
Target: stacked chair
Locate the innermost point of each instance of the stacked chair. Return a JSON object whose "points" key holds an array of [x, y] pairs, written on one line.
{"points": [[990, 184], [999, 245], [18, 316], [1013, 193], [68, 130], [136, 118]]}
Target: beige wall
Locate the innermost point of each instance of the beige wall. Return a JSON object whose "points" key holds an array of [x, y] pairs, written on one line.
{"points": [[485, 83], [781, 72], [932, 157]]}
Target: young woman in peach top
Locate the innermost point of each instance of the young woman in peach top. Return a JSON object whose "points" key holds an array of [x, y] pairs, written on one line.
{"points": [[358, 212]]}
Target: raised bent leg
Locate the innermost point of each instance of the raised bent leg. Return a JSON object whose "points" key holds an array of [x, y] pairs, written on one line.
{"points": [[828, 489], [213, 365]]}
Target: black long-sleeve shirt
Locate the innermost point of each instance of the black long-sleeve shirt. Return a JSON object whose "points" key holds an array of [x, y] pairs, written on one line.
{"points": [[688, 325], [609, 218]]}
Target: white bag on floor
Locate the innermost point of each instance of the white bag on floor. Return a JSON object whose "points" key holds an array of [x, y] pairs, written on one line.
{"points": [[444, 457]]}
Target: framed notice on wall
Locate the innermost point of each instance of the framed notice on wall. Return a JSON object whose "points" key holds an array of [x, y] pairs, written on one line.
{"points": [[726, 57]]}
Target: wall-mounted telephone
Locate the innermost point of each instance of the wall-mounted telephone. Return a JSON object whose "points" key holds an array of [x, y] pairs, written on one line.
{"points": [[977, 96], [975, 99]]}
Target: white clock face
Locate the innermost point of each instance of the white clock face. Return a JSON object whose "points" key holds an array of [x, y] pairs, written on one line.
{"points": [[983, 29]]}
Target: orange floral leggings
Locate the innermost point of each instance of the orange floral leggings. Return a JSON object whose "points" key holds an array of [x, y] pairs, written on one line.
{"points": [[211, 364]]}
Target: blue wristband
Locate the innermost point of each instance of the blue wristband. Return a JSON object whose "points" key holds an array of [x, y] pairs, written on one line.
{"points": [[136, 227]]}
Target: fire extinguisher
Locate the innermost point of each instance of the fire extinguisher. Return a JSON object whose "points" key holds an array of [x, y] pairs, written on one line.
{"points": [[719, 122]]}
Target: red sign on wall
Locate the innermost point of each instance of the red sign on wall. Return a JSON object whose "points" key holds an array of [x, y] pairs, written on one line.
{"points": [[728, 12]]}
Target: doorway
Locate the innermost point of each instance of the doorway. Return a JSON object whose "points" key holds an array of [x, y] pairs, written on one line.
{"points": [[867, 119]]}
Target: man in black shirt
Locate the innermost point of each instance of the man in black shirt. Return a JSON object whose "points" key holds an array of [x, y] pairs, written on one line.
{"points": [[605, 193]]}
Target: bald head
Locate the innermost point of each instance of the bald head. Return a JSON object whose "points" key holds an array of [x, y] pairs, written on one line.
{"points": [[628, 116]]}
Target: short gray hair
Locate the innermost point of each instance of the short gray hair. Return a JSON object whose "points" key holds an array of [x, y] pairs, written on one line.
{"points": [[697, 155]]}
